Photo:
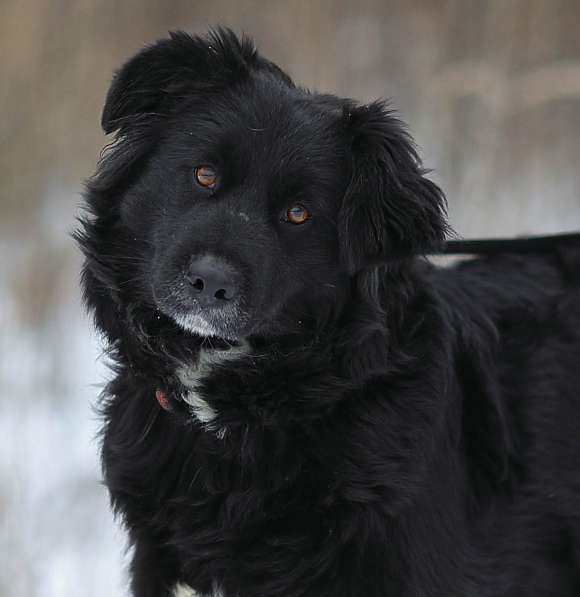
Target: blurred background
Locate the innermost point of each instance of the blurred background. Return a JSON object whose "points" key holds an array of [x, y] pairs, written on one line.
{"points": [[491, 89]]}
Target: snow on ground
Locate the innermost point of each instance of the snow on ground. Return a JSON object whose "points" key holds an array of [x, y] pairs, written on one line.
{"points": [[57, 534]]}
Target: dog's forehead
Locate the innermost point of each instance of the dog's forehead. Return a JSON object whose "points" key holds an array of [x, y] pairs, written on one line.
{"points": [[266, 123]]}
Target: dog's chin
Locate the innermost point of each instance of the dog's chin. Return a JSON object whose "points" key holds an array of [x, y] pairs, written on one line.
{"points": [[197, 324], [227, 324]]}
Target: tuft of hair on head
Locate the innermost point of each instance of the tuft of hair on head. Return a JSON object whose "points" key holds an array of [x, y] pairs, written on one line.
{"points": [[154, 81]]}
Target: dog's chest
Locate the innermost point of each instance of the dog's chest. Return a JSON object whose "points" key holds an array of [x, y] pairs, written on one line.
{"points": [[182, 590]]}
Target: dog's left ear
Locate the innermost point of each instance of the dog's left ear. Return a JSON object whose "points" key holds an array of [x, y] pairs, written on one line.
{"points": [[389, 209]]}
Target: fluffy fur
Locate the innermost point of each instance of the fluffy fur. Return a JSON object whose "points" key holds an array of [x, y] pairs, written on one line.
{"points": [[381, 427]]}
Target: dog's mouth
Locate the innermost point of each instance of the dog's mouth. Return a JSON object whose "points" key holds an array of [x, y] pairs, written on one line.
{"points": [[206, 324], [199, 308], [226, 321]]}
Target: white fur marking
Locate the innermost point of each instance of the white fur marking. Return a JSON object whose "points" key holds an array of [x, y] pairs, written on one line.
{"points": [[200, 408], [192, 378], [182, 590], [196, 324], [209, 324]]}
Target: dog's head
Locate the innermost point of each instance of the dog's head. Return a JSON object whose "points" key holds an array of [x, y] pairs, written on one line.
{"points": [[235, 203]]}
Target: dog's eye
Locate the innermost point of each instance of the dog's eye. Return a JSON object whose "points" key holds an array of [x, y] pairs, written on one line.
{"points": [[297, 214], [205, 176]]}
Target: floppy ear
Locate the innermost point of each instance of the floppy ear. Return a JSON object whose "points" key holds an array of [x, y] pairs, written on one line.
{"points": [[390, 209], [153, 81]]}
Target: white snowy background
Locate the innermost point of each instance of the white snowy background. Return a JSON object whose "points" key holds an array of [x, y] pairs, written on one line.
{"points": [[490, 88]]}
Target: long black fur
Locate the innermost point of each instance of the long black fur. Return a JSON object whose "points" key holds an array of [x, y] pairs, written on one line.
{"points": [[395, 429]]}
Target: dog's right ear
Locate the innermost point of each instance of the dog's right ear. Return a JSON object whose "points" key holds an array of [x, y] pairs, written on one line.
{"points": [[151, 83]]}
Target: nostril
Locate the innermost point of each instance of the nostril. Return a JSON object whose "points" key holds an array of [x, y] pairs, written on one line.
{"points": [[224, 294], [198, 284]]}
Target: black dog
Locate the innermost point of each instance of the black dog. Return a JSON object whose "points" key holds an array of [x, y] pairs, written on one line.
{"points": [[302, 405]]}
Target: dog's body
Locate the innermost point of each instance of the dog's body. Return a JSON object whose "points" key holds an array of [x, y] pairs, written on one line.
{"points": [[337, 417]]}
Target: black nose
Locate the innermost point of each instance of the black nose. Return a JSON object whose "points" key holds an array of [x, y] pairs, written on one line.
{"points": [[213, 281]]}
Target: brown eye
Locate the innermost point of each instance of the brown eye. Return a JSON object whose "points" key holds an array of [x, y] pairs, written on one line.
{"points": [[206, 176], [297, 214]]}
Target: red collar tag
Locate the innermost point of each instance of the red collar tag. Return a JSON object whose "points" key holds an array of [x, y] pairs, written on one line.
{"points": [[162, 399]]}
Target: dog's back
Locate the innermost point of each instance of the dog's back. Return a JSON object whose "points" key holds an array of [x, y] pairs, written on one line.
{"points": [[522, 404]]}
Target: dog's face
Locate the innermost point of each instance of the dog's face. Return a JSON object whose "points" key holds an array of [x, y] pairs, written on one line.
{"points": [[239, 206], [243, 204]]}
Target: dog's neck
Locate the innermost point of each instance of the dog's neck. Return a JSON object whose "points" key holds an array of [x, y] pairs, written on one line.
{"points": [[372, 325], [191, 375]]}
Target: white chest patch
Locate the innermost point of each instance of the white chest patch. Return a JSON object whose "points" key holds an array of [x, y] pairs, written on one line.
{"points": [[186, 591], [183, 591], [192, 376]]}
